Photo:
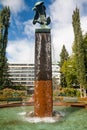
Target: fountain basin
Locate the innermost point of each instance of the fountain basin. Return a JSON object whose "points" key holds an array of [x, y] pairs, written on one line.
{"points": [[74, 118]]}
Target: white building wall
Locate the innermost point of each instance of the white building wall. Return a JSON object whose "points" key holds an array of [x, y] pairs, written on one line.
{"points": [[24, 74], [56, 72]]}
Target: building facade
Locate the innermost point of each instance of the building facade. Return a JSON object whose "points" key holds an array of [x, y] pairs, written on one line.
{"points": [[23, 74], [56, 72]]}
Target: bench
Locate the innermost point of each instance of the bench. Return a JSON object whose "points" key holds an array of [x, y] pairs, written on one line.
{"points": [[14, 99]]}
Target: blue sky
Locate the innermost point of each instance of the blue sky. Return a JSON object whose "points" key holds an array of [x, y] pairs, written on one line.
{"points": [[21, 41]]}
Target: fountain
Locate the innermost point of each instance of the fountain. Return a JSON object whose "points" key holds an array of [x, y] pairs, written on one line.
{"points": [[13, 118], [43, 93], [22, 117]]}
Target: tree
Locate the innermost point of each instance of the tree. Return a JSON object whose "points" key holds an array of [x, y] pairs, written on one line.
{"points": [[63, 57], [79, 51], [85, 53], [69, 70], [4, 25]]}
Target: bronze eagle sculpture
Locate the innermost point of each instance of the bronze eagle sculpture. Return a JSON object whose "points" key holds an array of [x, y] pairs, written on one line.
{"points": [[40, 14]]}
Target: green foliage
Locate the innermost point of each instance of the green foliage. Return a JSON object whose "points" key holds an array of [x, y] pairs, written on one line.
{"points": [[74, 69], [70, 92], [11, 93], [69, 70], [8, 92], [63, 57], [55, 93], [79, 48], [18, 87], [4, 24], [85, 53], [2, 98]]}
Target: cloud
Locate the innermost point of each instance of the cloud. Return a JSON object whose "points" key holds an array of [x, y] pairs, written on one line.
{"points": [[20, 51], [84, 24], [15, 5], [29, 29], [60, 37], [62, 31]]}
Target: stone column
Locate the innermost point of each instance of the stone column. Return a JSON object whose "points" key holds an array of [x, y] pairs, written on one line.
{"points": [[43, 74]]}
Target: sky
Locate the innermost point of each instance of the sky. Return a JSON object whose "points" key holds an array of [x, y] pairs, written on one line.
{"points": [[21, 37]]}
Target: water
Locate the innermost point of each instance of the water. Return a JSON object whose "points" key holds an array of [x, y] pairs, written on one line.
{"points": [[73, 119], [43, 106]]}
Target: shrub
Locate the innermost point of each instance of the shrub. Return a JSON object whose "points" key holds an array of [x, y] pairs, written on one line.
{"points": [[18, 87], [2, 98], [8, 92], [55, 93], [20, 93], [71, 92], [1, 92], [13, 93]]}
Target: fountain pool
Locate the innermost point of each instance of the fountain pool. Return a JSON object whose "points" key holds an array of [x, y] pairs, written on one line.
{"points": [[73, 118]]}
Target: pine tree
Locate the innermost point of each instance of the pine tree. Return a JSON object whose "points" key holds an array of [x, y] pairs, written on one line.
{"points": [[79, 51], [4, 25], [63, 57]]}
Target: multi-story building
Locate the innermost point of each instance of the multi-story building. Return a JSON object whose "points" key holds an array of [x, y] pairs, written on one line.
{"points": [[56, 72], [24, 74]]}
